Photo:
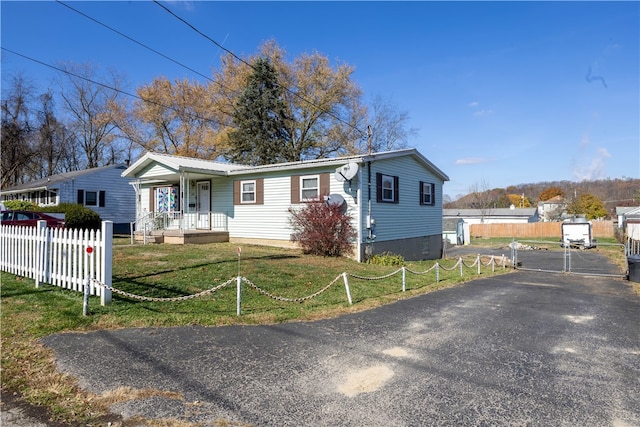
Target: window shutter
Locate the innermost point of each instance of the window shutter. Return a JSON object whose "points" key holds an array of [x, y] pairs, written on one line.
{"points": [[260, 191], [295, 189], [325, 186], [236, 192], [101, 199], [421, 193], [396, 187], [81, 197], [433, 194], [378, 187]]}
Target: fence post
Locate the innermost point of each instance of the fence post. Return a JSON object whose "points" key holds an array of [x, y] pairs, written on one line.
{"points": [[41, 262], [493, 264], [437, 272], [239, 296], [404, 282], [106, 263], [478, 260], [346, 286], [85, 300], [460, 261]]}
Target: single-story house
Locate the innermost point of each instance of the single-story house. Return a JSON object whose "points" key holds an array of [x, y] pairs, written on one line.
{"points": [[494, 215], [553, 209], [101, 189], [394, 198]]}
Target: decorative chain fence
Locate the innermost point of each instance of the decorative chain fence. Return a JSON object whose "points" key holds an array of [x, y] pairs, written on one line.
{"points": [[93, 283]]}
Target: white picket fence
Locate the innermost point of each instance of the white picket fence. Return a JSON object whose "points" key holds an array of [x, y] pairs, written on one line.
{"points": [[66, 258]]}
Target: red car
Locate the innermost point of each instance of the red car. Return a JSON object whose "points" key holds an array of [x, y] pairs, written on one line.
{"points": [[28, 218]]}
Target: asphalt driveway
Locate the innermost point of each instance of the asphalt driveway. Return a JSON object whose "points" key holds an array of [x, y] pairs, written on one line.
{"points": [[525, 348]]}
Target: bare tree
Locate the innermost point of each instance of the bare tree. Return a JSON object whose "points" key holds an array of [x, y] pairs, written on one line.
{"points": [[89, 105], [481, 198], [53, 142], [389, 129], [16, 133]]}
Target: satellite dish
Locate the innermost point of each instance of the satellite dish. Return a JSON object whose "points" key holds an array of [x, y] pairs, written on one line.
{"points": [[336, 200], [346, 172]]}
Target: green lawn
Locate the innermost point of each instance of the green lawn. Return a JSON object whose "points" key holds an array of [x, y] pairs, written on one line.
{"points": [[174, 271]]}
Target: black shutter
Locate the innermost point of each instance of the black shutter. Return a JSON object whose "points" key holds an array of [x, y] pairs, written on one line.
{"points": [[378, 187], [421, 193], [81, 197], [433, 194], [101, 199], [396, 188]]}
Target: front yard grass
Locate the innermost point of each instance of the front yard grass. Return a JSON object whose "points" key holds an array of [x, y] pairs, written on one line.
{"points": [[169, 271]]}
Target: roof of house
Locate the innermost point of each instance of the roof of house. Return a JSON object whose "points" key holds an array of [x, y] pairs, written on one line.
{"points": [[633, 212], [494, 212], [212, 167], [53, 181], [623, 210]]}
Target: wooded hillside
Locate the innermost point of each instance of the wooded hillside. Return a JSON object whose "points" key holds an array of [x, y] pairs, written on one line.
{"points": [[612, 192]]}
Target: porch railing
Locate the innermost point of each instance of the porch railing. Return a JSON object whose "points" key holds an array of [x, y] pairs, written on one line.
{"points": [[152, 221]]}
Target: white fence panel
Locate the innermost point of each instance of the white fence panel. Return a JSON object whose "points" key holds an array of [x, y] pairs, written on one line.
{"points": [[60, 257]]}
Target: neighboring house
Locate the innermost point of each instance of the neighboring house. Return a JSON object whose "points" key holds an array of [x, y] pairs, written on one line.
{"points": [[101, 189], [631, 222], [621, 212], [493, 215], [552, 209], [394, 198]]}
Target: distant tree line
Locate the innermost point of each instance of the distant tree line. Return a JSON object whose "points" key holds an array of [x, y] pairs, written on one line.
{"points": [[595, 199], [257, 110]]}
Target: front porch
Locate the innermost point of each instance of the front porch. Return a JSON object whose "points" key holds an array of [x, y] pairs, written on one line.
{"points": [[181, 237], [178, 228]]}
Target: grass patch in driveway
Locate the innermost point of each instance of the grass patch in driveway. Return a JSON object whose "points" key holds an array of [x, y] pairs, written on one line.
{"points": [[169, 271]]}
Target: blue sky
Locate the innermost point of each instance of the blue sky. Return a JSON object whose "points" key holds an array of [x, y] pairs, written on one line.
{"points": [[500, 92]]}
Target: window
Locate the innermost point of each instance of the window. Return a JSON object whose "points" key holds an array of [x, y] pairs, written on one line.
{"points": [[427, 193], [248, 190], [309, 187], [387, 188], [92, 198]]}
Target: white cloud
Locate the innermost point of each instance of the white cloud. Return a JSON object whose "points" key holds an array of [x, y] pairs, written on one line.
{"points": [[595, 169], [473, 104], [471, 161]]}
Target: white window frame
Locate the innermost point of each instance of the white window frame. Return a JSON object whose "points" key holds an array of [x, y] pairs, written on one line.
{"points": [[304, 190], [426, 193], [243, 192], [387, 179]]}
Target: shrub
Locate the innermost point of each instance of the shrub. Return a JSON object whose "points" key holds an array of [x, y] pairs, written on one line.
{"points": [[387, 259], [322, 229], [20, 205], [76, 216]]}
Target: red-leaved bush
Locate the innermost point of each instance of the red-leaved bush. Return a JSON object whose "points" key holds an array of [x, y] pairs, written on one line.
{"points": [[322, 229]]}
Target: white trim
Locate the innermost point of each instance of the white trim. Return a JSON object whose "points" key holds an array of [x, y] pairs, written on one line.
{"points": [[303, 189], [254, 192]]}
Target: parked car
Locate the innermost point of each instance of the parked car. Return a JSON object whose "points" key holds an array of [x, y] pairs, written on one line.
{"points": [[30, 219]]}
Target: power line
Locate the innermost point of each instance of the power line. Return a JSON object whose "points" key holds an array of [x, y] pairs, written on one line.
{"points": [[252, 67], [196, 116], [145, 46]]}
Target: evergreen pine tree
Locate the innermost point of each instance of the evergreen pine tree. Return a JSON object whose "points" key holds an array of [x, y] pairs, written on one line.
{"points": [[260, 117]]}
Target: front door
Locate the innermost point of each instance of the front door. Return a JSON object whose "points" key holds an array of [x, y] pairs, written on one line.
{"points": [[204, 204]]}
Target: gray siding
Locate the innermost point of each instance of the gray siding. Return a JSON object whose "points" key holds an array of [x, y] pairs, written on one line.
{"points": [[408, 218]]}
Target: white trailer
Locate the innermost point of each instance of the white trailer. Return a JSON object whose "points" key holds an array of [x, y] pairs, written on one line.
{"points": [[577, 234]]}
